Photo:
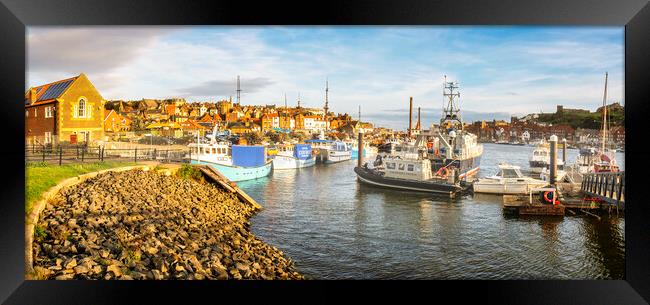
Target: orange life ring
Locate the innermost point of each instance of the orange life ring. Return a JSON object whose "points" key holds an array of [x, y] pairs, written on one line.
{"points": [[446, 172], [550, 200]]}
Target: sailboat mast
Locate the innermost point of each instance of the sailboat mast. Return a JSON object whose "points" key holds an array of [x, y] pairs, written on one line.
{"points": [[604, 115]]}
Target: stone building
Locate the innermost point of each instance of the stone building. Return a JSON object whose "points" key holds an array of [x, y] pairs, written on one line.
{"points": [[68, 110]]}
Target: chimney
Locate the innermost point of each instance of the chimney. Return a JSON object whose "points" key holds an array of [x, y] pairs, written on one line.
{"points": [[32, 95], [418, 126], [410, 116]]}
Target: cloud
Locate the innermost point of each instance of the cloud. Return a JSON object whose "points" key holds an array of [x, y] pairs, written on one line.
{"points": [[87, 49], [502, 71], [225, 87]]}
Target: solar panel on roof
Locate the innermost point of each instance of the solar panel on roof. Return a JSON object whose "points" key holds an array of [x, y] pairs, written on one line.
{"points": [[55, 90]]}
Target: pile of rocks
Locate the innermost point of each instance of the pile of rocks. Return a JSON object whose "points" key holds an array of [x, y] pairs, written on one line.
{"points": [[145, 225]]}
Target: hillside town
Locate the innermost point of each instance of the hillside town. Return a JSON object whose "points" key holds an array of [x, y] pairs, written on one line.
{"points": [[72, 111]]}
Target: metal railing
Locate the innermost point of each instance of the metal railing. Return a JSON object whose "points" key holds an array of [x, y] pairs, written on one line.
{"points": [[66, 154]]}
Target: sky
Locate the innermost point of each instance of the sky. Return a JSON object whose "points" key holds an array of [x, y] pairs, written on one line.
{"points": [[501, 70]]}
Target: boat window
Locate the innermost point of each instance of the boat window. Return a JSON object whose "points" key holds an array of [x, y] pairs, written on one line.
{"points": [[214, 151], [510, 173], [390, 165], [410, 167], [401, 166]]}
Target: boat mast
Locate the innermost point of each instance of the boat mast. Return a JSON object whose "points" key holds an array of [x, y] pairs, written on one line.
{"points": [[604, 115], [238, 90], [451, 110], [326, 103]]}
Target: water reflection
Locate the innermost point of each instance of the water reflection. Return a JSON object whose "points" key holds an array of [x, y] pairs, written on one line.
{"points": [[334, 227]]}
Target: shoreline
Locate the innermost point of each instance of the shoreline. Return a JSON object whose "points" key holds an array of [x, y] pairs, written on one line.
{"points": [[141, 224]]}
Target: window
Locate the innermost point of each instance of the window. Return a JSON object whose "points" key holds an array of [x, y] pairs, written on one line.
{"points": [[81, 108], [401, 167], [48, 112], [410, 167], [35, 112], [26, 113], [48, 137], [390, 165], [214, 151], [510, 173]]}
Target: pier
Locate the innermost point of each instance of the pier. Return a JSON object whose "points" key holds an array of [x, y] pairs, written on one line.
{"points": [[608, 188]]}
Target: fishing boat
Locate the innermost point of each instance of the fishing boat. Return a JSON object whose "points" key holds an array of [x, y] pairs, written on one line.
{"points": [[449, 145], [294, 156], [541, 156], [436, 162], [411, 174], [236, 162], [508, 180], [330, 151]]}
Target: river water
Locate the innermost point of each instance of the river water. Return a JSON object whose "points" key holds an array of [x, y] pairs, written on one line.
{"points": [[333, 227]]}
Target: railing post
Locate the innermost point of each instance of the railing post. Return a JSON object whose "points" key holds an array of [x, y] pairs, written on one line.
{"points": [[155, 154], [60, 154], [136, 155], [43, 150], [82, 155], [77, 147]]}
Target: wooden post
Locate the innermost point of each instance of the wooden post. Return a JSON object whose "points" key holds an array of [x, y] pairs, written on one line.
{"points": [[60, 154], [553, 161], [360, 150]]}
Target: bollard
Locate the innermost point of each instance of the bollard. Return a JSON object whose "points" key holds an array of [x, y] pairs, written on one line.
{"points": [[553, 161], [360, 150]]}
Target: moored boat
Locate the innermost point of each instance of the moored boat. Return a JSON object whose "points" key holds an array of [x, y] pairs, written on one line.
{"points": [[508, 180], [331, 151], [407, 174], [236, 162], [294, 156]]}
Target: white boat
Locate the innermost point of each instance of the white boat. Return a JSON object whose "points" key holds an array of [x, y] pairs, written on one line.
{"points": [[541, 157], [219, 155], [331, 151], [294, 156], [560, 175], [508, 180]]}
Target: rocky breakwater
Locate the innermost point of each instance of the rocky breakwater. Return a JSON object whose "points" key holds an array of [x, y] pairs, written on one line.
{"points": [[145, 225]]}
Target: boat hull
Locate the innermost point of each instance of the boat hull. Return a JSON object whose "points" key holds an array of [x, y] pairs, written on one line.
{"points": [[238, 173], [329, 156], [505, 189], [371, 177], [290, 162]]}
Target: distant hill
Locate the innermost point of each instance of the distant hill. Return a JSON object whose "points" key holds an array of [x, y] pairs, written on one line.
{"points": [[579, 118]]}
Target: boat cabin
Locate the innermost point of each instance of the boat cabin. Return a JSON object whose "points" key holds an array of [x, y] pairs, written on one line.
{"points": [[407, 169]]}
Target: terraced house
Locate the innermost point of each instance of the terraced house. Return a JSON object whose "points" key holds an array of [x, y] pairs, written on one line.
{"points": [[68, 110]]}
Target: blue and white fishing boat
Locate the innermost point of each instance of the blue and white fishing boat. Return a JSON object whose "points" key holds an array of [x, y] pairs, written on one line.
{"points": [[294, 156], [331, 151], [236, 162]]}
